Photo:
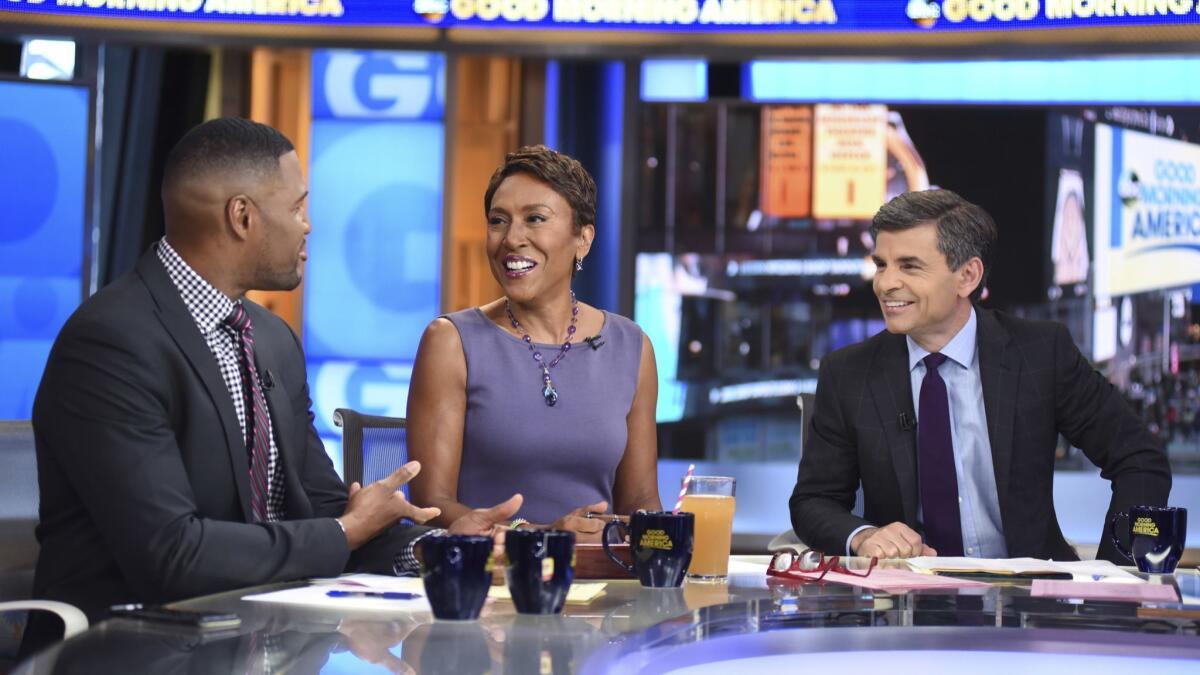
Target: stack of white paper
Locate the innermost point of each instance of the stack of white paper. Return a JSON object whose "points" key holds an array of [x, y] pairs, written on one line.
{"points": [[317, 594], [1080, 570]]}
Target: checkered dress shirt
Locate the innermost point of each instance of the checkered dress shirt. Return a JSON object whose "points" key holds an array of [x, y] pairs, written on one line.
{"points": [[209, 307]]}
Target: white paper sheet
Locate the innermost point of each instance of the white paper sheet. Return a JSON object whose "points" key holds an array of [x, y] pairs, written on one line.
{"points": [[317, 595], [1080, 570], [744, 566], [375, 582]]}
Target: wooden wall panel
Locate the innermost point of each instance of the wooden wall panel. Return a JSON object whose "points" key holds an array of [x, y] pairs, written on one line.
{"points": [[484, 123], [281, 95]]}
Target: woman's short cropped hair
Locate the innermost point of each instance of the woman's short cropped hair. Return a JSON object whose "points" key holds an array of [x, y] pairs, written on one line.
{"points": [[564, 174]]}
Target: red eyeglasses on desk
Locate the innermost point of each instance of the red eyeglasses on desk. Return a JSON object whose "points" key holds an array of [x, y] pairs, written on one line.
{"points": [[810, 565]]}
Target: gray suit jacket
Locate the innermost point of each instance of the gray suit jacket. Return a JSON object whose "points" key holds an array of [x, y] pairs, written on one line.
{"points": [[144, 472], [1036, 385]]}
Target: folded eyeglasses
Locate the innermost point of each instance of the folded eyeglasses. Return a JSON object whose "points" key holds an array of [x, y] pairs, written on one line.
{"points": [[811, 565]]}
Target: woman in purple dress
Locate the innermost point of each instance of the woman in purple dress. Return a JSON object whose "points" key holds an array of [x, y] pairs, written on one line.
{"points": [[536, 392]]}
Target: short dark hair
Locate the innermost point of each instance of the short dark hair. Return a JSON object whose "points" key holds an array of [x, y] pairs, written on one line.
{"points": [[564, 174], [222, 145], [964, 230]]}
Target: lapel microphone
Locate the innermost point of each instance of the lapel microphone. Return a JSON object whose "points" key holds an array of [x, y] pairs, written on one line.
{"points": [[594, 342], [907, 422], [267, 381]]}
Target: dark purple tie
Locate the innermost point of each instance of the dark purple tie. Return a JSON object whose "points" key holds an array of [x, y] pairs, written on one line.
{"points": [[258, 426], [939, 480]]}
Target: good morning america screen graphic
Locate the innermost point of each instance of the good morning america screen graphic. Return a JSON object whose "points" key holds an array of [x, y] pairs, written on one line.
{"points": [[681, 16], [1147, 232]]}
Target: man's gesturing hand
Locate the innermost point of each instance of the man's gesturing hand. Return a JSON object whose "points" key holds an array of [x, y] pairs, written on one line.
{"points": [[380, 505], [891, 541]]}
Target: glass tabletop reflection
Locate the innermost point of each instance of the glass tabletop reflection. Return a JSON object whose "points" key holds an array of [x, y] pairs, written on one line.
{"points": [[600, 636]]}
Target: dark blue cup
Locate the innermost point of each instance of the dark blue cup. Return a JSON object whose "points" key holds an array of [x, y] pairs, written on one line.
{"points": [[661, 543], [457, 571], [541, 565], [1156, 537]]}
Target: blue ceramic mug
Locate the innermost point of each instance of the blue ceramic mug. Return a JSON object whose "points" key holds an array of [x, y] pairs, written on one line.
{"points": [[1156, 537], [541, 566], [457, 571], [661, 544]]}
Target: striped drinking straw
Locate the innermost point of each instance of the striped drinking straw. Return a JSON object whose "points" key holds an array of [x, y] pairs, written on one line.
{"points": [[687, 478]]}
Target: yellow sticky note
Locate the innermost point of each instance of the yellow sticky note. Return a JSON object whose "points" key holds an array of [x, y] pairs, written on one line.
{"points": [[580, 594]]}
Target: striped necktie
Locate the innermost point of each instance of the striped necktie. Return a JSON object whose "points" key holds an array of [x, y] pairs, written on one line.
{"points": [[258, 425]]}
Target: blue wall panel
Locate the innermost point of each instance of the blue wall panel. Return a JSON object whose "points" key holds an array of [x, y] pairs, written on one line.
{"points": [[43, 173], [373, 279]]}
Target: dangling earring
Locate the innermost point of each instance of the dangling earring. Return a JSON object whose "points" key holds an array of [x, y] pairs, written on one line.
{"points": [[578, 264]]}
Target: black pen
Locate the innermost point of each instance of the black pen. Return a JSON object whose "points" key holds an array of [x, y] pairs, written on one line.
{"points": [[385, 595]]}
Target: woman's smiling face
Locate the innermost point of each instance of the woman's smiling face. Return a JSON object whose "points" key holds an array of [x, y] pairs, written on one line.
{"points": [[532, 242]]}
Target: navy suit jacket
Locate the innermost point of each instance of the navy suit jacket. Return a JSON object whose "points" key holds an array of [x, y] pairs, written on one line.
{"points": [[1036, 385]]}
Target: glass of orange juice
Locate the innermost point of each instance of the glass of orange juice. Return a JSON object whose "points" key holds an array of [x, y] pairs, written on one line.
{"points": [[711, 499]]}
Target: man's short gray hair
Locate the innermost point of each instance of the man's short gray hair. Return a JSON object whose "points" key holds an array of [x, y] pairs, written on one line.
{"points": [[964, 230]]}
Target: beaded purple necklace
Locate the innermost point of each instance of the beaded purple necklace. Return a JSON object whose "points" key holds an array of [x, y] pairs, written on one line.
{"points": [[548, 391]]}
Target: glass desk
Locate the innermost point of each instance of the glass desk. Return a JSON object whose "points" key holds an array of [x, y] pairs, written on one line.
{"points": [[773, 626]]}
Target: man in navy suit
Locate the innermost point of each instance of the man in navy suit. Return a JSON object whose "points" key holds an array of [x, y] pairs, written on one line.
{"points": [[950, 418]]}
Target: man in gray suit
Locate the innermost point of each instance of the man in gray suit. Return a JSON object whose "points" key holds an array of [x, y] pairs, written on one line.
{"points": [[969, 469], [176, 451]]}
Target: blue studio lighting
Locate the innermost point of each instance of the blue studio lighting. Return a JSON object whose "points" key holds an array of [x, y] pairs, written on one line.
{"points": [[1150, 80], [553, 87], [682, 80]]}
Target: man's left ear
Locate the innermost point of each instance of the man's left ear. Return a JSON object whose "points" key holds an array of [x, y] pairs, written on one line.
{"points": [[238, 213], [970, 276]]}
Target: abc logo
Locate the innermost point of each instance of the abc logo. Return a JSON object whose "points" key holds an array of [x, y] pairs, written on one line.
{"points": [[431, 10]]}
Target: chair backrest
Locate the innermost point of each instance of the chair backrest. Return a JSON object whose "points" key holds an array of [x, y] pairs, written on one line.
{"points": [[373, 446], [18, 509], [805, 402], [18, 545]]}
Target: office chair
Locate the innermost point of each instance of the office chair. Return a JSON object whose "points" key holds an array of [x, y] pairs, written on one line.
{"points": [[787, 540], [373, 446], [18, 509], [18, 545], [74, 620]]}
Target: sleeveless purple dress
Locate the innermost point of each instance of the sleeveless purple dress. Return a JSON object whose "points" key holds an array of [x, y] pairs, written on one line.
{"points": [[560, 458]]}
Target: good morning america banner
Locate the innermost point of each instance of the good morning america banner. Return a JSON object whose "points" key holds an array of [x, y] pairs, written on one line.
{"points": [[649, 15], [1147, 222]]}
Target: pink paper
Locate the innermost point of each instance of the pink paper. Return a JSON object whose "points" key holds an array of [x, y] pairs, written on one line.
{"points": [[1085, 590], [899, 580]]}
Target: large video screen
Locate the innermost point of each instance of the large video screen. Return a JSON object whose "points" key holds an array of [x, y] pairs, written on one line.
{"points": [[43, 176]]}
